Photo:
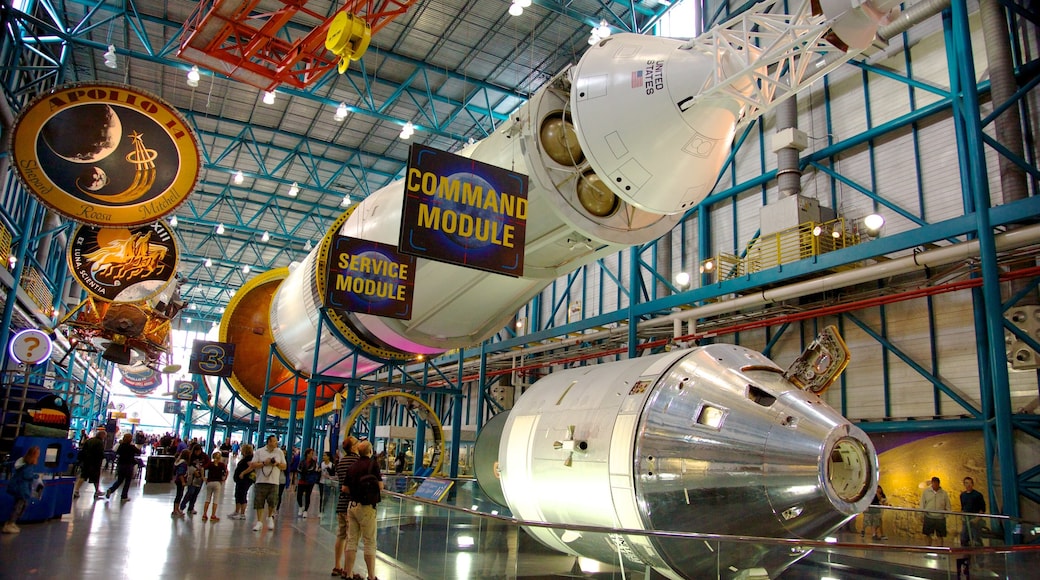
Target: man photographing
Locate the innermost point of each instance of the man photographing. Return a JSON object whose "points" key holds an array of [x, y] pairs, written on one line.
{"points": [[268, 463]]}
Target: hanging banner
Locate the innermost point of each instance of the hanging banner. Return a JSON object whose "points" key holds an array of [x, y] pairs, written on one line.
{"points": [[464, 212], [105, 154], [123, 264], [212, 358], [185, 390], [370, 278]]}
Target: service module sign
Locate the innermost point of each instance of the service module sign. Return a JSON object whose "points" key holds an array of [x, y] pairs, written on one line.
{"points": [[464, 212], [370, 278], [105, 154]]}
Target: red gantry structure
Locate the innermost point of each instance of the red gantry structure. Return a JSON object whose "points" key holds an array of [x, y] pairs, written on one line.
{"points": [[251, 40]]}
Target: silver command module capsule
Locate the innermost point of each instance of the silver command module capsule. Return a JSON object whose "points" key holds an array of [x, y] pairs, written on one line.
{"points": [[713, 440]]}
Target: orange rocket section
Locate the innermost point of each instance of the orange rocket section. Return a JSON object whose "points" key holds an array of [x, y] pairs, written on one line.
{"points": [[246, 323]]}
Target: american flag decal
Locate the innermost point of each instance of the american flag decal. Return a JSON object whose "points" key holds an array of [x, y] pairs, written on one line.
{"points": [[637, 79]]}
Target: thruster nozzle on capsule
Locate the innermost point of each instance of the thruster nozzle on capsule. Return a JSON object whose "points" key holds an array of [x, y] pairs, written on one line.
{"points": [[713, 440]]}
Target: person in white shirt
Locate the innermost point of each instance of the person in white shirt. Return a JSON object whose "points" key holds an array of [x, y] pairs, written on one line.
{"points": [[934, 499], [268, 463]]}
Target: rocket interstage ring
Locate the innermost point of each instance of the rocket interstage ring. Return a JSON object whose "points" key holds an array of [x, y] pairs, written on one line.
{"points": [[710, 440], [246, 323]]}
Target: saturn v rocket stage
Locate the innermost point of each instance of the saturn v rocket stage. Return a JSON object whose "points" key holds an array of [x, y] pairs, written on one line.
{"points": [[615, 149]]}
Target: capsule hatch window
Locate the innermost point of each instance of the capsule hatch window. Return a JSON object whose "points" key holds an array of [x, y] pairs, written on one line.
{"points": [[711, 416]]}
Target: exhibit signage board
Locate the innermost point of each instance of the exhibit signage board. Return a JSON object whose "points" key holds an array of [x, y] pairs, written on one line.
{"points": [[370, 278], [464, 212], [212, 358]]}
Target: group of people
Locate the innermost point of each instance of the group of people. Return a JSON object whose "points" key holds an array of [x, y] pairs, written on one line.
{"points": [[360, 483], [934, 502]]}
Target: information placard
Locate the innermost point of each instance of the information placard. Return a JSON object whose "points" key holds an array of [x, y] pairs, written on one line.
{"points": [[464, 212], [212, 358], [370, 277], [434, 489]]}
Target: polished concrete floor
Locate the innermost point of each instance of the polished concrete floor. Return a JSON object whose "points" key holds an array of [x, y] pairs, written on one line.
{"points": [[109, 540]]}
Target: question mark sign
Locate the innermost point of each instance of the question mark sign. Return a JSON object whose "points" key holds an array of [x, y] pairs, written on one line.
{"points": [[35, 342]]}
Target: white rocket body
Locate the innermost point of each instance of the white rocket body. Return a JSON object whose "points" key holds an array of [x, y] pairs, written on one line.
{"points": [[611, 163]]}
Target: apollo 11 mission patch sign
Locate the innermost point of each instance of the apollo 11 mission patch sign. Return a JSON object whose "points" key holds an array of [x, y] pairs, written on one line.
{"points": [[105, 154]]}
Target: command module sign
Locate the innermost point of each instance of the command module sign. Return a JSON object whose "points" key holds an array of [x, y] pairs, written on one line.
{"points": [[370, 278], [464, 212], [212, 358]]}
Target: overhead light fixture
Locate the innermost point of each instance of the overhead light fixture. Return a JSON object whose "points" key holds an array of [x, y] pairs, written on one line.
{"points": [[345, 202], [408, 130], [173, 222], [874, 222], [12, 260], [220, 229], [308, 246], [341, 112], [194, 76], [836, 232], [682, 279], [515, 9], [209, 263], [187, 320], [246, 269], [817, 231], [239, 177], [268, 97], [266, 237], [294, 189], [110, 57]]}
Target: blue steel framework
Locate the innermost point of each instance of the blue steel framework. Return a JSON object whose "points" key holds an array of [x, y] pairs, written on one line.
{"points": [[632, 275]]}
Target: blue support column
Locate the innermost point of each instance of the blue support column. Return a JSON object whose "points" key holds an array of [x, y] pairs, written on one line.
{"points": [[12, 296], [188, 408], [290, 435], [312, 393], [308, 414], [420, 438], [262, 429], [348, 406], [456, 423], [482, 387], [211, 432], [997, 387]]}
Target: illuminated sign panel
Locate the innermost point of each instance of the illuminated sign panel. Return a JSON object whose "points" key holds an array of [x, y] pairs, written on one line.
{"points": [[464, 212], [370, 278]]}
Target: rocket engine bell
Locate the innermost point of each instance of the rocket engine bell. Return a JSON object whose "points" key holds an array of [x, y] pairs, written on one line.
{"points": [[710, 440]]}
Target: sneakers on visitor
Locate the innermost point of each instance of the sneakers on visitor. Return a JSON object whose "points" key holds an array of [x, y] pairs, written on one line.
{"points": [[258, 526], [11, 528], [124, 499], [883, 538], [303, 515], [270, 522], [108, 493]]}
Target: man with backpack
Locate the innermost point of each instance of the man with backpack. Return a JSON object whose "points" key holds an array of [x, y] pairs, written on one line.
{"points": [[365, 482]]}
